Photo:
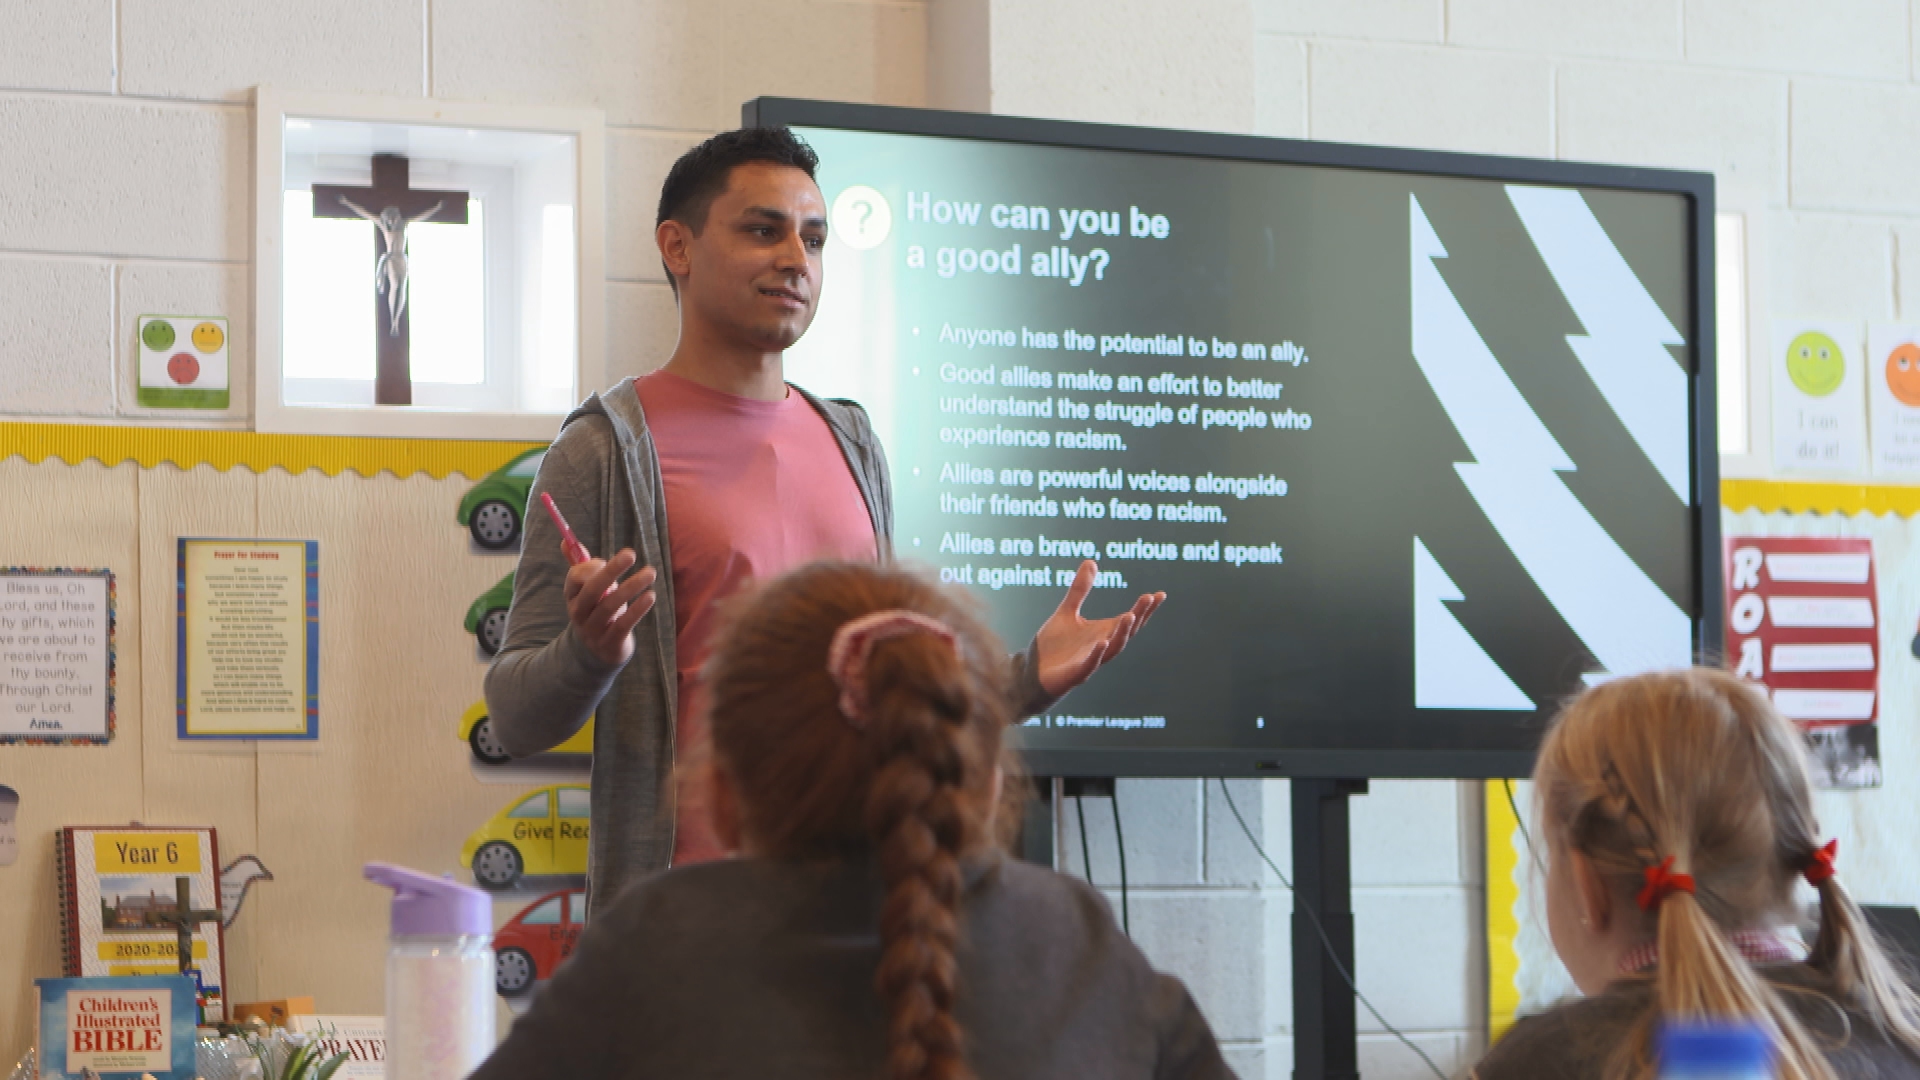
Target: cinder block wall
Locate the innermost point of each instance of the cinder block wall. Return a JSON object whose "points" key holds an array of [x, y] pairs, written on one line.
{"points": [[125, 189], [1206, 908], [126, 183]]}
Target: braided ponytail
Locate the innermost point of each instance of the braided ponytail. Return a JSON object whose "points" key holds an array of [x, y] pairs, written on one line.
{"points": [[920, 825], [887, 746]]}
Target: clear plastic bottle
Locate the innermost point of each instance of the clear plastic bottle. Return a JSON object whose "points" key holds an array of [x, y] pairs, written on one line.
{"points": [[439, 976], [1714, 1050]]}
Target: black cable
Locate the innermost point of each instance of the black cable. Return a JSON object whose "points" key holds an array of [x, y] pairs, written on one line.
{"points": [[1086, 853], [1120, 845], [1520, 821], [1332, 956]]}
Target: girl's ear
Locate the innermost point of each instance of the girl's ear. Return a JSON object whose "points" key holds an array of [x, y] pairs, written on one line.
{"points": [[726, 810], [1596, 900]]}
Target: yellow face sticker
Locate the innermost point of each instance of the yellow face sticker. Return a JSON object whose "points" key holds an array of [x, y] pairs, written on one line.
{"points": [[208, 337], [1814, 364]]}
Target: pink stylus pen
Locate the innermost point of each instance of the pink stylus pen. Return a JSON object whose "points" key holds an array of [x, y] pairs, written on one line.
{"points": [[576, 551]]}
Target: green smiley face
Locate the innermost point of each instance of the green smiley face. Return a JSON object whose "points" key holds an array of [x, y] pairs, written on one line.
{"points": [[157, 335], [1814, 364]]}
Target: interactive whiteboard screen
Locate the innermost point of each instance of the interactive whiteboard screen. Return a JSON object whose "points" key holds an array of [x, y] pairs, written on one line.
{"points": [[1410, 440]]}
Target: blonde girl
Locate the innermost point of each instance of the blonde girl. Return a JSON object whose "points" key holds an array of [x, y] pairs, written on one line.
{"points": [[1676, 817]]}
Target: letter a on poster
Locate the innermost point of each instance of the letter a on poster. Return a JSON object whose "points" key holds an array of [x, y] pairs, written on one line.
{"points": [[249, 639]]}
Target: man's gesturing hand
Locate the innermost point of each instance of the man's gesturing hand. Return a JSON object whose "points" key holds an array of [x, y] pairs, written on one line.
{"points": [[604, 609], [1072, 648]]}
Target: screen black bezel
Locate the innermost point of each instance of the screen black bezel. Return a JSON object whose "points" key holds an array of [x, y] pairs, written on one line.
{"points": [[1695, 187]]}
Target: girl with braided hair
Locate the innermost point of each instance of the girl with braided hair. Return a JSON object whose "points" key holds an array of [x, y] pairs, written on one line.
{"points": [[872, 927], [1676, 817]]}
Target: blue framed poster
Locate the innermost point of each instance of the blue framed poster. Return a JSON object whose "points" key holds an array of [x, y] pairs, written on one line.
{"points": [[248, 639]]}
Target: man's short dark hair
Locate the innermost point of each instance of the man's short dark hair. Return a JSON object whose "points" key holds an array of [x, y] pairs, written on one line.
{"points": [[701, 174]]}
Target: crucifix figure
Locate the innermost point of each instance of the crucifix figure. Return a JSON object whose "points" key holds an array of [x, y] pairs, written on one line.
{"points": [[184, 919], [392, 206], [390, 273]]}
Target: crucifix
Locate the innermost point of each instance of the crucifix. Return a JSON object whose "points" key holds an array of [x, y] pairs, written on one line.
{"points": [[184, 919], [392, 206]]}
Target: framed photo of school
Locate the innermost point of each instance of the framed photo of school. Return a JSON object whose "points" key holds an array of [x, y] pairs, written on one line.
{"points": [[249, 639]]}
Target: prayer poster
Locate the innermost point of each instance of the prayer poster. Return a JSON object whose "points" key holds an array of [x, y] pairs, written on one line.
{"points": [[249, 639], [56, 655]]}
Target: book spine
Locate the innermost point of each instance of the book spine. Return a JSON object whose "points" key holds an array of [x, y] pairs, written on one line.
{"points": [[69, 903]]}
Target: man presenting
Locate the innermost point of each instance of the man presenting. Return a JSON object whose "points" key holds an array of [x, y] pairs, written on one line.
{"points": [[755, 476]]}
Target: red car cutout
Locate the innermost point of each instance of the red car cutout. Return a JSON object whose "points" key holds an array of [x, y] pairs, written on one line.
{"points": [[532, 944]]}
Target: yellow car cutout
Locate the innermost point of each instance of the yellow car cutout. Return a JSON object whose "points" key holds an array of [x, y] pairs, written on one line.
{"points": [[476, 730], [544, 832]]}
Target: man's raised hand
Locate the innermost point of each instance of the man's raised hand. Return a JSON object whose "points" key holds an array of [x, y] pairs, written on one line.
{"points": [[1071, 648], [604, 609]]}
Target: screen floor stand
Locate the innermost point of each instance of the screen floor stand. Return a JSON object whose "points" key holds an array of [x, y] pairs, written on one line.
{"points": [[1035, 842], [1325, 1036]]}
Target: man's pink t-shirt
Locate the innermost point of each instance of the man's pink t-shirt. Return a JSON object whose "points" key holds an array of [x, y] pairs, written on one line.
{"points": [[753, 488]]}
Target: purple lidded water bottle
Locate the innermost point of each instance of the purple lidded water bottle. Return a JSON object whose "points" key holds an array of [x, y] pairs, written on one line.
{"points": [[439, 975]]}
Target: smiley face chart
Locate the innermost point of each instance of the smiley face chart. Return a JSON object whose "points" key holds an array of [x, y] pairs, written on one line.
{"points": [[1319, 407], [183, 362]]}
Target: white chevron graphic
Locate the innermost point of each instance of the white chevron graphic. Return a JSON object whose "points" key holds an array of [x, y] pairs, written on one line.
{"points": [[1450, 669], [1624, 348], [1618, 613]]}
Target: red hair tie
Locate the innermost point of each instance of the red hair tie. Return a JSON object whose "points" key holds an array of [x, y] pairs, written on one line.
{"points": [[1662, 882], [1819, 868]]}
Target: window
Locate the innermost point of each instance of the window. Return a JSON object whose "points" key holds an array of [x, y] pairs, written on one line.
{"points": [[498, 338], [529, 466], [1730, 329], [547, 914], [534, 807], [574, 803], [331, 315]]}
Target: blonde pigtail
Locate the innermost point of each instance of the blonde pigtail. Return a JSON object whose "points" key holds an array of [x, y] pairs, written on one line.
{"points": [[1850, 955]]}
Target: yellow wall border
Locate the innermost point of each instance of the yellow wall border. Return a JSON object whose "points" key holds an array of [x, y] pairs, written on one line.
{"points": [[1503, 927], [186, 448], [1773, 496]]}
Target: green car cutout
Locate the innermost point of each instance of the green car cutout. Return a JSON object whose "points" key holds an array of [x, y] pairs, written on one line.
{"points": [[494, 509], [487, 616]]}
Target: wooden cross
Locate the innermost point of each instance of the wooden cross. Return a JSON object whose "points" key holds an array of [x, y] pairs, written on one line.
{"points": [[184, 919], [393, 376]]}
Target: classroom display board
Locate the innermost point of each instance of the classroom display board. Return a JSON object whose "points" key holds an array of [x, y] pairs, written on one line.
{"points": [[1411, 440]]}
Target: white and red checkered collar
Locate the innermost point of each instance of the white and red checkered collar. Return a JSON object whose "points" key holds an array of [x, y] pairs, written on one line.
{"points": [[1758, 946]]}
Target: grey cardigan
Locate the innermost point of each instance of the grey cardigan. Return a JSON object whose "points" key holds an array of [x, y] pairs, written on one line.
{"points": [[604, 474], [1576, 1040], [755, 968]]}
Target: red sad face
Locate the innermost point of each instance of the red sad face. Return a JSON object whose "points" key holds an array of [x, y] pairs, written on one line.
{"points": [[183, 368]]}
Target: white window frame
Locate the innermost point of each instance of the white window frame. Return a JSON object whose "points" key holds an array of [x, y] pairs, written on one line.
{"points": [[444, 411]]}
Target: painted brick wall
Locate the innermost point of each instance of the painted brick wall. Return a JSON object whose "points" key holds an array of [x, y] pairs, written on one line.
{"points": [[126, 185]]}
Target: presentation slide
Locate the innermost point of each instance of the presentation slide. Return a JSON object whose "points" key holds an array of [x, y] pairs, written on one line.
{"points": [[1409, 454]]}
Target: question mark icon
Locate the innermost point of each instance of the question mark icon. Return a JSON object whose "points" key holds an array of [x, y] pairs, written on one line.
{"points": [[1100, 271], [861, 217]]}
